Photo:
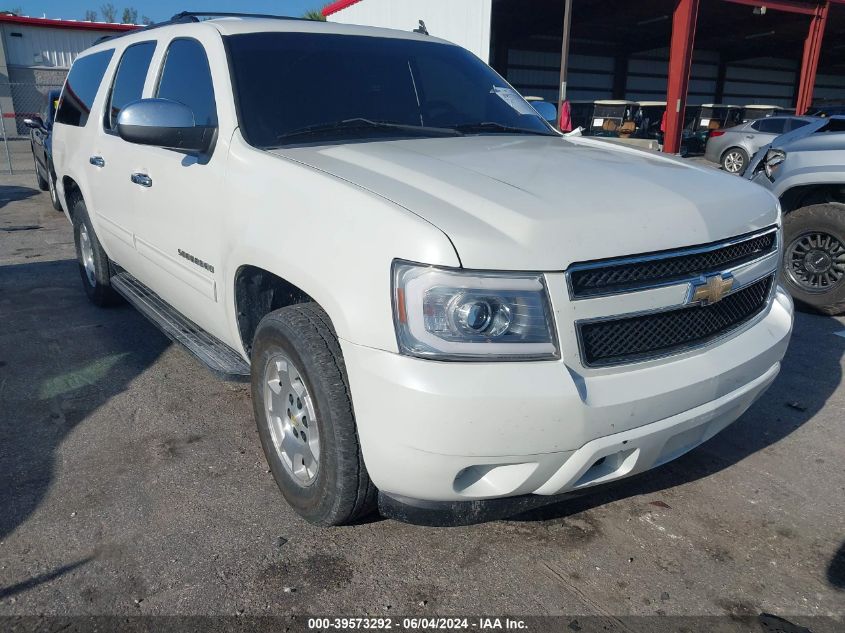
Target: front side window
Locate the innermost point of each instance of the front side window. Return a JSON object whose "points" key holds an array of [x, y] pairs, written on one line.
{"points": [[186, 78], [129, 80], [332, 87], [81, 87]]}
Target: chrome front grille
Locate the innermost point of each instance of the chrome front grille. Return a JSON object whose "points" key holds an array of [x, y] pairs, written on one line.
{"points": [[627, 339], [628, 274]]}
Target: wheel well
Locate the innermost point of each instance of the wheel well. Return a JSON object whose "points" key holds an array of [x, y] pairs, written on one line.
{"points": [[806, 195], [727, 149], [72, 192], [257, 293]]}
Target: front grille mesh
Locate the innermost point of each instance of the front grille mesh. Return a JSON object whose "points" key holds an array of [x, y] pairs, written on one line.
{"points": [[632, 338], [629, 276]]}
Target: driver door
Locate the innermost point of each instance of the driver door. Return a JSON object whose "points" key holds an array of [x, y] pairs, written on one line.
{"points": [[177, 194]]}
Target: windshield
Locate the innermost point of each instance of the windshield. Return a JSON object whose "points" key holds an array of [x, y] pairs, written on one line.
{"points": [[306, 87]]}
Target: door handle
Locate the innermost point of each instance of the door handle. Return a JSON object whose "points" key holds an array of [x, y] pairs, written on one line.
{"points": [[749, 136], [97, 161], [141, 179]]}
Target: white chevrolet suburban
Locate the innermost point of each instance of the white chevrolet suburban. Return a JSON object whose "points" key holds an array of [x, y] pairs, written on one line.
{"points": [[439, 298]]}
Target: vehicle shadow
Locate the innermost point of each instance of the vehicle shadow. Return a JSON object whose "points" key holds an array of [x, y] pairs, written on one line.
{"points": [[836, 569], [61, 358], [13, 193], [810, 373]]}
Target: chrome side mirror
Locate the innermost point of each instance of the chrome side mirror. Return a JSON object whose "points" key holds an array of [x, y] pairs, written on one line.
{"points": [[546, 110], [163, 123], [35, 122]]}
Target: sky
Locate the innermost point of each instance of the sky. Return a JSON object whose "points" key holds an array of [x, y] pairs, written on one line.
{"points": [[158, 10]]}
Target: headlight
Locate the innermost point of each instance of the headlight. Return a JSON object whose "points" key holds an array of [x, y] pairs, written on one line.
{"points": [[773, 160], [449, 314]]}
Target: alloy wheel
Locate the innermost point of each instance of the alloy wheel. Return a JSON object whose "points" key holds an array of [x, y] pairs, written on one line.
{"points": [[734, 162], [815, 261], [292, 419], [86, 253]]}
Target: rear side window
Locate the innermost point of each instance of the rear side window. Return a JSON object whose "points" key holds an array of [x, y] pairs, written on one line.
{"points": [[797, 123], [81, 87], [186, 78], [770, 126], [129, 80]]}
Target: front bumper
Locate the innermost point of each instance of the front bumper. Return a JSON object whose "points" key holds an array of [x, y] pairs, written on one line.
{"points": [[461, 431]]}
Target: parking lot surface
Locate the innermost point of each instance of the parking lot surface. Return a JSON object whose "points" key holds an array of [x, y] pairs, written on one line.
{"points": [[132, 482]]}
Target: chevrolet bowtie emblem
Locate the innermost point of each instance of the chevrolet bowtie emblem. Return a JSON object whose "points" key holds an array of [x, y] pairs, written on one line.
{"points": [[711, 289]]}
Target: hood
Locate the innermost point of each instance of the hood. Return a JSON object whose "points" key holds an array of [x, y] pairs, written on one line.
{"points": [[541, 203]]}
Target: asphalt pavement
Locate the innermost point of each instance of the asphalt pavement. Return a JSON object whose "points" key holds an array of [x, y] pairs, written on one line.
{"points": [[132, 482]]}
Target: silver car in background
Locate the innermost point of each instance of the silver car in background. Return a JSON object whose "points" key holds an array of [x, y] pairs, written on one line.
{"points": [[733, 147], [805, 169]]}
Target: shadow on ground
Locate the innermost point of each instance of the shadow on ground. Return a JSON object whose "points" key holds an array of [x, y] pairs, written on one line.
{"points": [[61, 358], [836, 568], [12, 193], [810, 373]]}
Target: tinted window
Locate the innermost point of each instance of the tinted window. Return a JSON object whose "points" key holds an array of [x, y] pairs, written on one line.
{"points": [[81, 87], [328, 79], [186, 78], [797, 123], [770, 126], [129, 79]]}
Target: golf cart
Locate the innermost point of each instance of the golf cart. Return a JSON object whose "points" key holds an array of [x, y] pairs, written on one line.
{"points": [[649, 119], [701, 120], [755, 111], [613, 118]]}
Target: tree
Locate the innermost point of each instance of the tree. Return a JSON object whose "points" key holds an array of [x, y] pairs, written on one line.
{"points": [[13, 11], [146, 20], [130, 16], [90, 15], [314, 14], [109, 12]]}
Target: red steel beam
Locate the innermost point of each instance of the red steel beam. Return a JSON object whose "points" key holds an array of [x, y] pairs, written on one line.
{"points": [[810, 59], [680, 60]]}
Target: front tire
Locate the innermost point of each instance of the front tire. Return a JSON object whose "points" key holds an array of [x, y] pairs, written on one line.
{"points": [[303, 409], [51, 184], [814, 257], [94, 264], [42, 183], [734, 160]]}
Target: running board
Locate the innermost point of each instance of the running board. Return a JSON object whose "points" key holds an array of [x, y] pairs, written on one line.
{"points": [[218, 356]]}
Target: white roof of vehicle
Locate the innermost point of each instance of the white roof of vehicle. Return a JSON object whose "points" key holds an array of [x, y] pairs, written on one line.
{"points": [[615, 102], [651, 103], [237, 26], [761, 106]]}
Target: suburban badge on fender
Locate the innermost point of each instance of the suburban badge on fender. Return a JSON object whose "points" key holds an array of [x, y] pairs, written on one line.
{"points": [[711, 289]]}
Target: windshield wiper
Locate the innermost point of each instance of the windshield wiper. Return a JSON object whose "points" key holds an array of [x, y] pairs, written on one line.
{"points": [[493, 126], [365, 124]]}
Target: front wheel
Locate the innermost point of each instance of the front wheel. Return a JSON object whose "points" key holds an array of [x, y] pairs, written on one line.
{"points": [[94, 265], [734, 160], [51, 183], [814, 257], [42, 183], [303, 409]]}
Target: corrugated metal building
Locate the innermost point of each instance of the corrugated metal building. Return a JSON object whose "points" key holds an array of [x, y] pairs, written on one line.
{"points": [[35, 55]]}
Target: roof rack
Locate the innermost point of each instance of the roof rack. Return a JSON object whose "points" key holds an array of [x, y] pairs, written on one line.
{"points": [[194, 16]]}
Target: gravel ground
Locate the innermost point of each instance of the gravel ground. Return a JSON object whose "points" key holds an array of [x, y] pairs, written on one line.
{"points": [[132, 482]]}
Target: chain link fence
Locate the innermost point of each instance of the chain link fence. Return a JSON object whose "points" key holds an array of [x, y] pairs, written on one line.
{"points": [[19, 101]]}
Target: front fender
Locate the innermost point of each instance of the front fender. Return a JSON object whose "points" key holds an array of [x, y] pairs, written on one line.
{"points": [[330, 238]]}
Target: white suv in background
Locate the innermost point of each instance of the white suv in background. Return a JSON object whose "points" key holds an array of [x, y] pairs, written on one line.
{"points": [[439, 299]]}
